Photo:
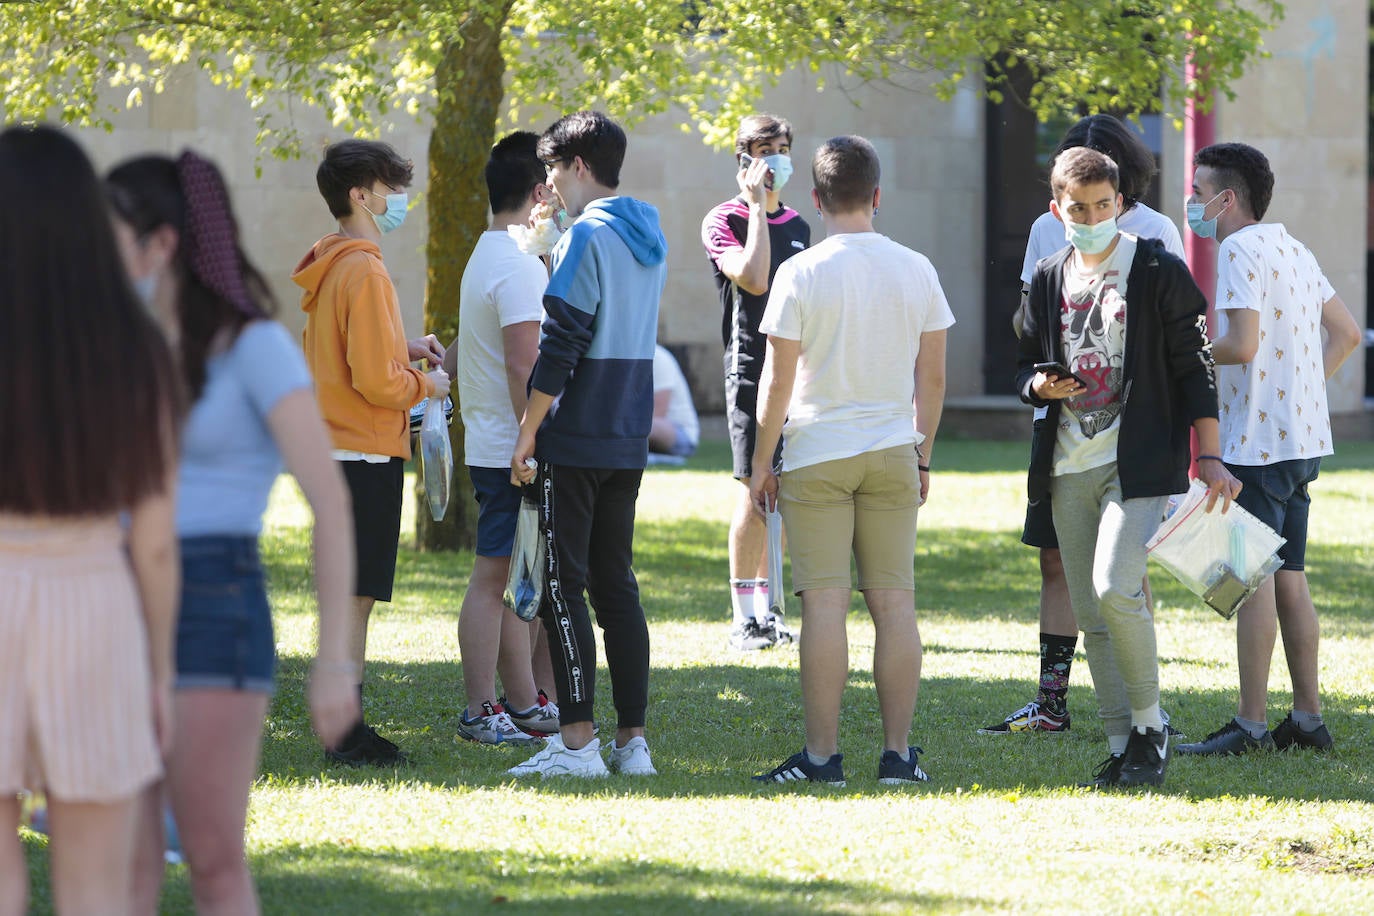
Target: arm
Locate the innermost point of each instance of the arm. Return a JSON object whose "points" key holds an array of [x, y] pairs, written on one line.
{"points": [[747, 267], [1342, 334], [662, 401], [929, 399], [1210, 469], [372, 334], [535, 412], [300, 434], [426, 347], [779, 375], [155, 560], [1241, 340], [520, 343]]}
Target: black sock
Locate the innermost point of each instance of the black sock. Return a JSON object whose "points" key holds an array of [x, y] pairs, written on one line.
{"points": [[1056, 660]]}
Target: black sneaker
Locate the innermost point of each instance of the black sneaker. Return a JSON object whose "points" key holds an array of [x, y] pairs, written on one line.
{"points": [[1287, 734], [894, 770], [1147, 754], [362, 746], [799, 768], [1229, 739], [1107, 775]]}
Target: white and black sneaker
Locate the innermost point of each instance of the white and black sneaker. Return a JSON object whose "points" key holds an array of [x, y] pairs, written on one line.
{"points": [[799, 768], [751, 636]]}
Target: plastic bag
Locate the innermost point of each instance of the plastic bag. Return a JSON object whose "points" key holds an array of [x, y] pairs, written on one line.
{"points": [[777, 598], [525, 581], [1220, 558], [436, 458]]}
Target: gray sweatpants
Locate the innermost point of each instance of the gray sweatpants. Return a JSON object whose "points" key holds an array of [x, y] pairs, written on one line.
{"points": [[1102, 542]]}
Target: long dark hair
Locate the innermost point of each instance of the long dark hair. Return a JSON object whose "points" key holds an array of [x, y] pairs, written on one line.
{"points": [[1111, 137], [89, 396], [151, 191]]}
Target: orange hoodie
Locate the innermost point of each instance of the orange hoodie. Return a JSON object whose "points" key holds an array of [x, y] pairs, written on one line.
{"points": [[356, 347]]}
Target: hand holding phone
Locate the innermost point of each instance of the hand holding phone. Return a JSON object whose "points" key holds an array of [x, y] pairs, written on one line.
{"points": [[1059, 370]]}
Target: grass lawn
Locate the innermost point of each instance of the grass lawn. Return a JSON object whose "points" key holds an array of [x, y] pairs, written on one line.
{"points": [[1000, 829]]}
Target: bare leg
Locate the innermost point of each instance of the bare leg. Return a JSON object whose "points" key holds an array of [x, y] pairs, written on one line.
{"points": [[150, 865], [748, 539], [1056, 609], [491, 638], [1256, 630], [14, 872], [662, 436], [541, 664], [1301, 632], [357, 636], [824, 653], [896, 662], [91, 856], [214, 760]]}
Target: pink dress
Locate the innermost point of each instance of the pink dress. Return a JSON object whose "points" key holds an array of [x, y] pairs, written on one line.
{"points": [[75, 684]]}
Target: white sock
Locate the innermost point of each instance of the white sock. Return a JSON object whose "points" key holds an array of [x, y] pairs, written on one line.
{"points": [[1149, 717], [762, 612], [1117, 744], [742, 600]]}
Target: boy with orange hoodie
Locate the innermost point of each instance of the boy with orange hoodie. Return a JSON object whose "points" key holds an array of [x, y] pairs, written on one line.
{"points": [[360, 358]]}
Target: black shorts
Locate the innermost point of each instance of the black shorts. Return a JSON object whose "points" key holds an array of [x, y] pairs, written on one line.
{"points": [[1039, 528], [741, 410], [376, 491]]}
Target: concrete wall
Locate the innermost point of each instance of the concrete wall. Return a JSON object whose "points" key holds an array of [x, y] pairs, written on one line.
{"points": [[932, 158], [1306, 108]]}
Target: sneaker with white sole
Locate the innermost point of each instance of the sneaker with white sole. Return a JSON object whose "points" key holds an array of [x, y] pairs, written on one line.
{"points": [[783, 635], [1035, 716], [557, 759], [494, 726], [896, 770], [632, 759], [751, 636], [540, 719], [799, 768]]}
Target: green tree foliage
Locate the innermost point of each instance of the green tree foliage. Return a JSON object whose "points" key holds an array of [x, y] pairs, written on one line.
{"points": [[79, 61]]}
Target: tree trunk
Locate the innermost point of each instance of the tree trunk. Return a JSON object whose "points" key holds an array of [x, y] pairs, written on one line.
{"points": [[470, 91]]}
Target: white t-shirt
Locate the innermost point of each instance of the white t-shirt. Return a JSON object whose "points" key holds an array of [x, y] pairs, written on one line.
{"points": [[858, 303], [501, 286], [1093, 331], [1047, 234], [668, 377], [1274, 407]]}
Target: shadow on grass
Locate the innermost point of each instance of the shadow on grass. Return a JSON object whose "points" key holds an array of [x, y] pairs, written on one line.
{"points": [[327, 879], [713, 726]]}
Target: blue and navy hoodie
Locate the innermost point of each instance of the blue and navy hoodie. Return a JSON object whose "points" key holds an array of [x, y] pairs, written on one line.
{"points": [[596, 349]]}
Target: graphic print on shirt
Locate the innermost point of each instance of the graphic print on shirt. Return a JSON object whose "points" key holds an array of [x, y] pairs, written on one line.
{"points": [[1093, 318]]}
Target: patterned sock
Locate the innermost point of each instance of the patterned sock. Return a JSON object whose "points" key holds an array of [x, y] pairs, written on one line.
{"points": [[742, 600], [1056, 660]]}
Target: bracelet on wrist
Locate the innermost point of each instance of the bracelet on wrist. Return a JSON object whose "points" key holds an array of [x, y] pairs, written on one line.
{"points": [[923, 467], [1209, 458]]}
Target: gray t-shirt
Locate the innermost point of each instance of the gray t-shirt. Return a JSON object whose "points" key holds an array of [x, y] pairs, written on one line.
{"points": [[229, 460]]}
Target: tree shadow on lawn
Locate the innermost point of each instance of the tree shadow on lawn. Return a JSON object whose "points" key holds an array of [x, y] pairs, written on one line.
{"points": [[330, 879], [712, 727]]}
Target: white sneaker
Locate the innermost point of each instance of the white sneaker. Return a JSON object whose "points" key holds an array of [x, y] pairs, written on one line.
{"points": [[556, 759], [494, 726], [632, 759]]}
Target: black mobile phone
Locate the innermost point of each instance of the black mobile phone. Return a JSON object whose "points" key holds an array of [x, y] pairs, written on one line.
{"points": [[1059, 370], [745, 160]]}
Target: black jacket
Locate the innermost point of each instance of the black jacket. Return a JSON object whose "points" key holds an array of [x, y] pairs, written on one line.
{"points": [[1168, 378]]}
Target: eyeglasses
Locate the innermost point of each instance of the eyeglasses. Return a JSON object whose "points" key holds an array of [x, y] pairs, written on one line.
{"points": [[550, 163]]}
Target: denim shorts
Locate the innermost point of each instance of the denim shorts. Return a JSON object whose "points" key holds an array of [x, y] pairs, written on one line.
{"points": [[1276, 494], [498, 504], [224, 632]]}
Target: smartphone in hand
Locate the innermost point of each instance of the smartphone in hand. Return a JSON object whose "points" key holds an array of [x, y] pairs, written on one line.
{"points": [[745, 160], [1059, 370]]}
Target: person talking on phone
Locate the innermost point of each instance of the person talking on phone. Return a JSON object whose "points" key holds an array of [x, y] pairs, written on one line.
{"points": [[747, 238]]}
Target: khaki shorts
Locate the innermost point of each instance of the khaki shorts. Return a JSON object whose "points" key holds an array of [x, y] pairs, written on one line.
{"points": [[864, 506]]}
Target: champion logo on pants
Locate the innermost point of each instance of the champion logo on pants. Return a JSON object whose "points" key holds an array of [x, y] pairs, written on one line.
{"points": [[563, 622]]}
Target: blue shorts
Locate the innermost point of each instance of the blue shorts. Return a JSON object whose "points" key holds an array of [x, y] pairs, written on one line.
{"points": [[498, 504], [224, 631], [1276, 494]]}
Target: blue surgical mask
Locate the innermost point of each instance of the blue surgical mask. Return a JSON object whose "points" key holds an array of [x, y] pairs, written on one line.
{"points": [[1092, 239], [781, 164], [1203, 228], [394, 214]]}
